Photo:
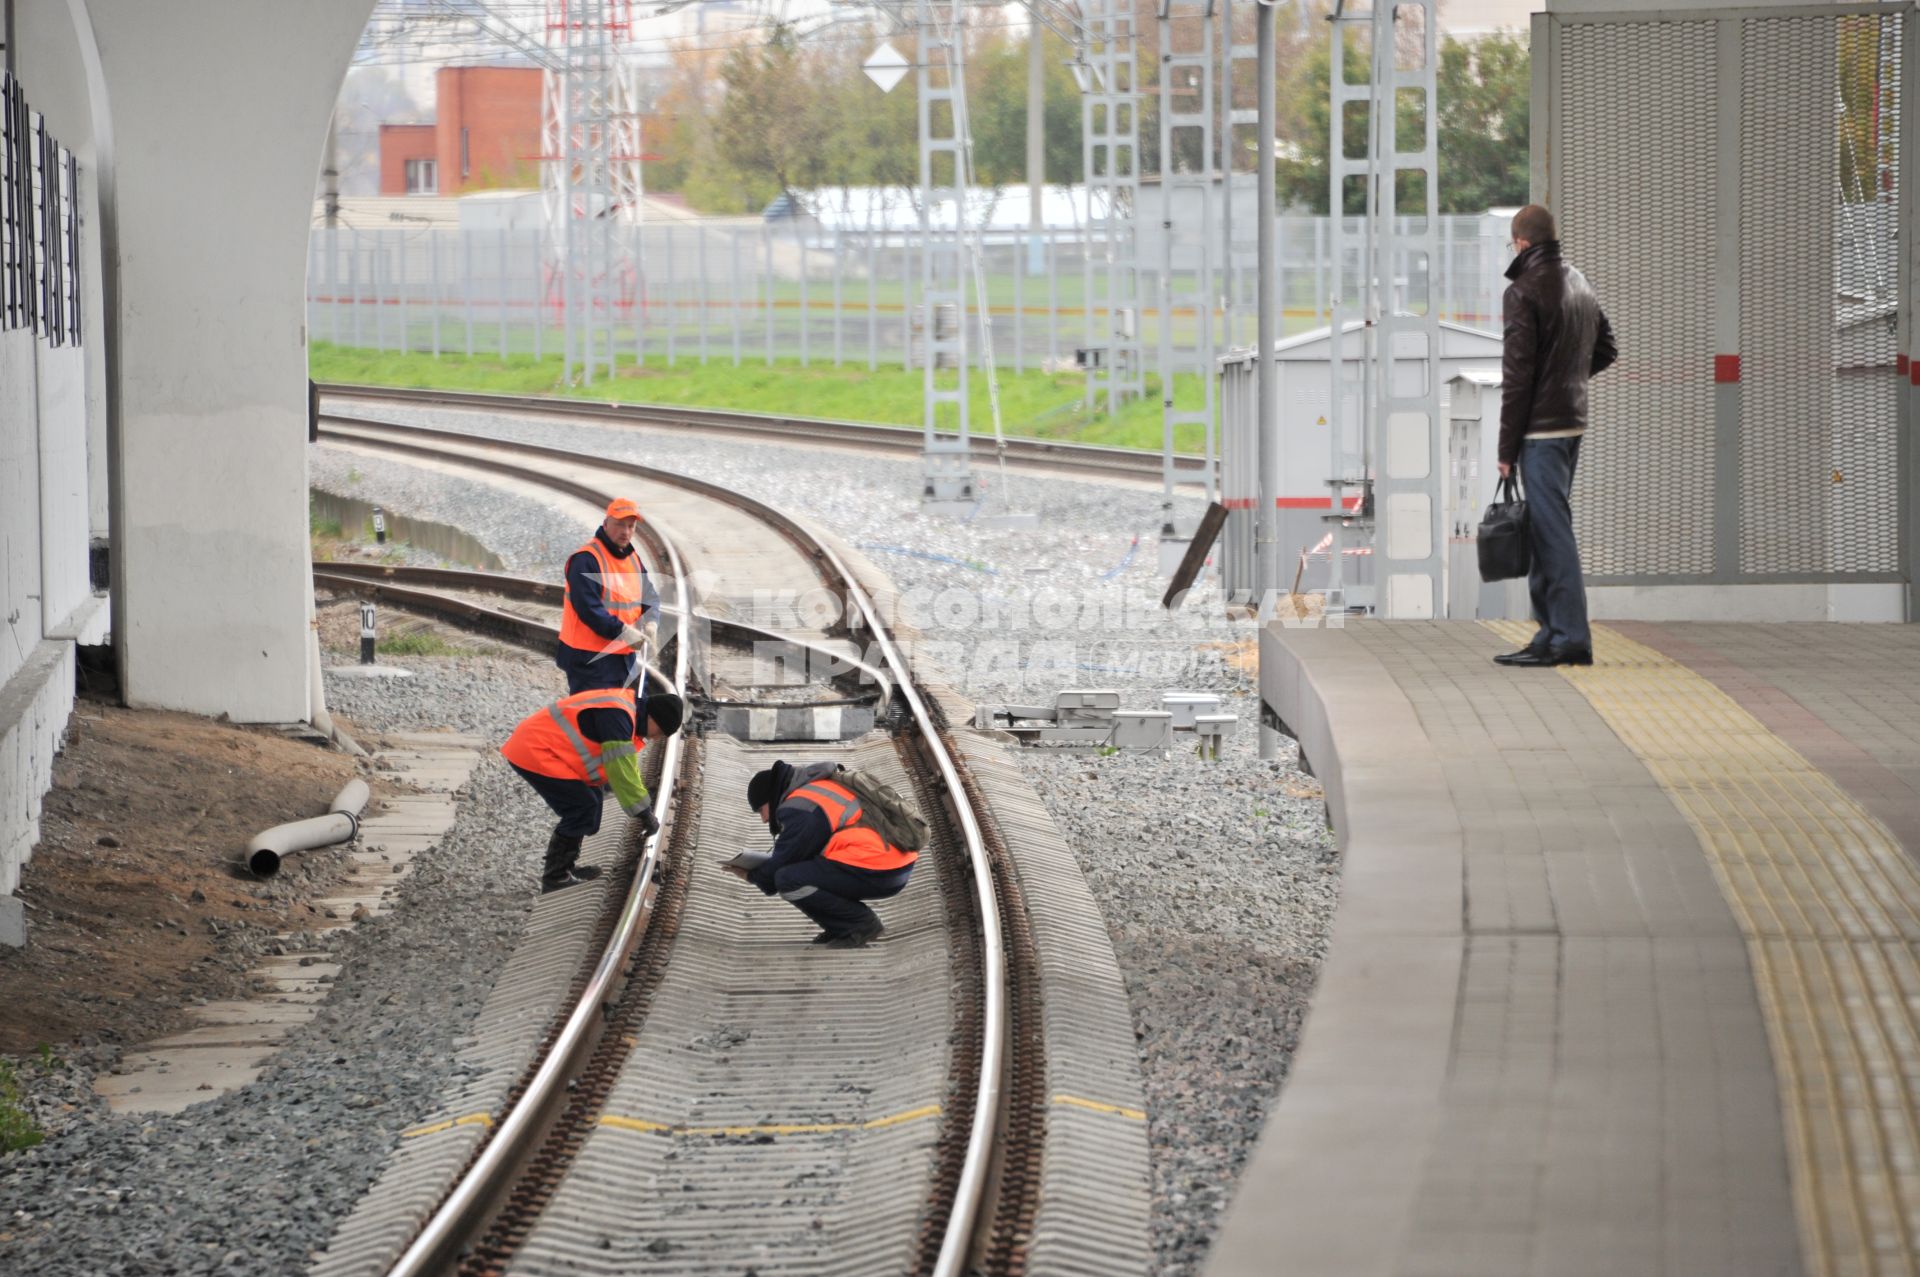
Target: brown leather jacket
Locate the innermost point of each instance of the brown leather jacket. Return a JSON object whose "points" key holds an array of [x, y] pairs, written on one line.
{"points": [[1556, 338]]}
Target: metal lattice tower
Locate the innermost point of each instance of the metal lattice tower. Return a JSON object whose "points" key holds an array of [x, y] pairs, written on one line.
{"points": [[589, 175], [1110, 142], [1186, 231], [1396, 482], [1238, 255], [939, 73]]}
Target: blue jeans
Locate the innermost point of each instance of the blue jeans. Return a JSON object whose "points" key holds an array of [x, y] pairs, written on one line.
{"points": [[1558, 589], [830, 893]]}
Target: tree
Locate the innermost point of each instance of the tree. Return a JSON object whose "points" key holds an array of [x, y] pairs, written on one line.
{"points": [[997, 108], [873, 139], [771, 129], [1484, 93]]}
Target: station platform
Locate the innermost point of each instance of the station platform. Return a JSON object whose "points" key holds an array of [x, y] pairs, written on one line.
{"points": [[1625, 977]]}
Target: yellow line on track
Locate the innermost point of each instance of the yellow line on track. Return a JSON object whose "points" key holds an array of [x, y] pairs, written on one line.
{"points": [[1829, 905], [794, 1128], [471, 1119], [1098, 1106]]}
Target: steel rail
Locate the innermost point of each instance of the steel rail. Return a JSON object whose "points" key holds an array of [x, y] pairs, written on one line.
{"points": [[403, 585], [958, 1237], [477, 1193], [494, 622], [1080, 458]]}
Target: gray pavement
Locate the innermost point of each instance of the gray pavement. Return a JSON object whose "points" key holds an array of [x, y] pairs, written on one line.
{"points": [[1573, 900]]}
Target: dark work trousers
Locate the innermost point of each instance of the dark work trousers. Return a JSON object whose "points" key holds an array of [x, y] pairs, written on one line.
{"points": [[1559, 591], [575, 801], [830, 892], [589, 671]]}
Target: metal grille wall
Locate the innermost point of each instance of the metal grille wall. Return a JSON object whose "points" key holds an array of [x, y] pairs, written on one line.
{"points": [[1819, 430], [1637, 204], [1786, 292], [1732, 187], [1865, 485]]}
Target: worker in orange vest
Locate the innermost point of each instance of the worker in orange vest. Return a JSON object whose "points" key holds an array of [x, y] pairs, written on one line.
{"points": [[577, 748], [826, 859], [610, 609]]}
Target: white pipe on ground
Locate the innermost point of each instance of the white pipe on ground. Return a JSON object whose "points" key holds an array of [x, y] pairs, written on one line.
{"points": [[341, 823]]}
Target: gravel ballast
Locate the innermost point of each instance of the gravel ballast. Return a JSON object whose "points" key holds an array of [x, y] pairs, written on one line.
{"points": [[1218, 880], [255, 1181]]}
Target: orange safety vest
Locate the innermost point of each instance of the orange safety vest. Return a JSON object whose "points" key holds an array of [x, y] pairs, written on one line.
{"points": [[854, 842], [549, 743], [620, 590]]}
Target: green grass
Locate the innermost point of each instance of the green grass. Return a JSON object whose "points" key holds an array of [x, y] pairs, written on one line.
{"points": [[419, 643], [17, 1127], [1033, 404]]}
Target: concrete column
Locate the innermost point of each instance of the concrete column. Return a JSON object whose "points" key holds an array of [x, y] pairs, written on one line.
{"points": [[210, 121]]}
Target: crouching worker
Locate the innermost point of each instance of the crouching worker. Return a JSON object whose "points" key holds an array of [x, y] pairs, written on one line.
{"points": [[577, 748], [840, 838]]}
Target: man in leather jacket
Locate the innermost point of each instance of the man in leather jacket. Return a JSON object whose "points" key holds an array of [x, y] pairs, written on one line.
{"points": [[1556, 338]]}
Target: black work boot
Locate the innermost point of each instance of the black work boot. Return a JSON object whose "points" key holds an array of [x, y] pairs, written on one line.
{"points": [[561, 871], [577, 874], [856, 939]]}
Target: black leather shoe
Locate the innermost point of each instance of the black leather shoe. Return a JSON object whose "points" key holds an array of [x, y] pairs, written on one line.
{"points": [[1544, 658]]}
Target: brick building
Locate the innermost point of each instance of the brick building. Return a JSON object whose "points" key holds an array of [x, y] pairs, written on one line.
{"points": [[485, 134]]}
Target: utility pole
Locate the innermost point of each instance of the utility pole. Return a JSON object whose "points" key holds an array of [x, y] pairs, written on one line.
{"points": [[329, 173], [1036, 126], [940, 75], [1266, 533]]}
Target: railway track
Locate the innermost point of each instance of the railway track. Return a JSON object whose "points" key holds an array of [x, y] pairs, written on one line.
{"points": [[927, 1097], [525, 612], [1076, 459]]}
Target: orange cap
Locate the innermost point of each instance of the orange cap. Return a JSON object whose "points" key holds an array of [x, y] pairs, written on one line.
{"points": [[621, 508]]}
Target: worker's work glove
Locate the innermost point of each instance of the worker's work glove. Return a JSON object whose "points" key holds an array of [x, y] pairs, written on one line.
{"points": [[652, 630], [642, 814], [632, 637]]}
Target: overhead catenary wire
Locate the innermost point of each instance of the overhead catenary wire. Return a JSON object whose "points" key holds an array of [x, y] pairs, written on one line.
{"points": [[409, 46]]}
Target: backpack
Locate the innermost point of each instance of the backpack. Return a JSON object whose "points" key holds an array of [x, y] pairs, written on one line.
{"points": [[883, 810]]}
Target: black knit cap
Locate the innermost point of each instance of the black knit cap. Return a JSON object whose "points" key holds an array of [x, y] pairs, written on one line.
{"points": [[764, 788], [667, 710]]}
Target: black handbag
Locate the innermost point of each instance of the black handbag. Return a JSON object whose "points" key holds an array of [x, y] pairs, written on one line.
{"points": [[1506, 548]]}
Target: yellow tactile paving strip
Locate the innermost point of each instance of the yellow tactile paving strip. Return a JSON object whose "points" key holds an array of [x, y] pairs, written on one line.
{"points": [[1829, 904]]}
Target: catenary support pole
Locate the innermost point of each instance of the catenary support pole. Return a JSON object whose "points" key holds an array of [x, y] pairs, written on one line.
{"points": [[1036, 129], [1266, 523], [329, 175]]}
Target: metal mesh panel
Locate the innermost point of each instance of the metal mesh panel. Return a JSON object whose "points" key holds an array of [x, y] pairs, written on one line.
{"points": [[1787, 183], [1639, 142], [1819, 444], [1865, 495]]}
